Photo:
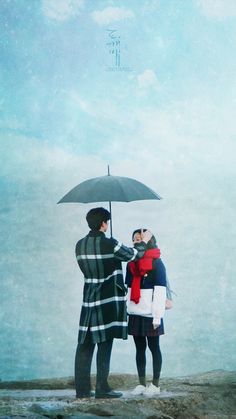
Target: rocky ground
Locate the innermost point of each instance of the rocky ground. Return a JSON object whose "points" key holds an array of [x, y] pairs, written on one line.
{"points": [[210, 395]]}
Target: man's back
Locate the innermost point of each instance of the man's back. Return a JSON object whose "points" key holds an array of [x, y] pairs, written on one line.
{"points": [[96, 257]]}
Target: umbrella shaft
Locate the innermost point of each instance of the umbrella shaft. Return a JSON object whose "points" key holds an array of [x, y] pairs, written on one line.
{"points": [[111, 218]]}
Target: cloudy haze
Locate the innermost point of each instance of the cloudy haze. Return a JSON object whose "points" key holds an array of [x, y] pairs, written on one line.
{"points": [[161, 111]]}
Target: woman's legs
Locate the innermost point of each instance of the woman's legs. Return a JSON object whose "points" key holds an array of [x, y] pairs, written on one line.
{"points": [[141, 344], [153, 344]]}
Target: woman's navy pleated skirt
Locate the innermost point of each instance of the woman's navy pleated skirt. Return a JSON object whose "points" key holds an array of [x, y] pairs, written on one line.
{"points": [[142, 326]]}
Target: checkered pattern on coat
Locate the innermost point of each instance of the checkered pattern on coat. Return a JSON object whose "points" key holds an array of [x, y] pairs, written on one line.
{"points": [[103, 310]]}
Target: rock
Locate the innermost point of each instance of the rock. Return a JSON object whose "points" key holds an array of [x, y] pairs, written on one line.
{"points": [[201, 396], [42, 384]]}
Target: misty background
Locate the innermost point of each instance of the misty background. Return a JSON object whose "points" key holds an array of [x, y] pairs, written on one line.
{"points": [[158, 105]]}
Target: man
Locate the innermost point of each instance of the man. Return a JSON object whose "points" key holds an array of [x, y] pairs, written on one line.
{"points": [[103, 314]]}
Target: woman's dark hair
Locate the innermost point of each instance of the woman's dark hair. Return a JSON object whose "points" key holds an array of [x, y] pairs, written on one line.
{"points": [[96, 216], [152, 242]]}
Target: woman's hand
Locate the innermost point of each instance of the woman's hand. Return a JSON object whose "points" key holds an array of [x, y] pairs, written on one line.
{"points": [[156, 323]]}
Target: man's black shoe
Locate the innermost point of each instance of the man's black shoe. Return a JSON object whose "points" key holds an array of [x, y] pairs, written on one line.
{"points": [[108, 395], [85, 395]]}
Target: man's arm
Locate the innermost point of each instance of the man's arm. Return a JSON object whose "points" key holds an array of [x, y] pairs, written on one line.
{"points": [[126, 254]]}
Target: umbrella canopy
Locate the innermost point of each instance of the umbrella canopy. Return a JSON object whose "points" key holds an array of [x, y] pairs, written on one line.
{"points": [[109, 188]]}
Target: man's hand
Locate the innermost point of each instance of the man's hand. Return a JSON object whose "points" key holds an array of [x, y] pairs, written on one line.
{"points": [[146, 236]]}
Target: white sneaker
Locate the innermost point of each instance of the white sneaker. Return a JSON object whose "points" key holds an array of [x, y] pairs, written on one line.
{"points": [[137, 391], [151, 391]]}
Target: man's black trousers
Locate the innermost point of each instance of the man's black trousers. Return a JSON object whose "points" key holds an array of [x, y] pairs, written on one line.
{"points": [[83, 361]]}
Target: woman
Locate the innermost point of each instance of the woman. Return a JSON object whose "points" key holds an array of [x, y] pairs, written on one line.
{"points": [[146, 281]]}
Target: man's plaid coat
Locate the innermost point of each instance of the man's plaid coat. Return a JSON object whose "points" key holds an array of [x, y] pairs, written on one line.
{"points": [[103, 310]]}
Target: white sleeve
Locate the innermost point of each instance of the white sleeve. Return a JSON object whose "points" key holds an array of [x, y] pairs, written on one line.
{"points": [[158, 303]]}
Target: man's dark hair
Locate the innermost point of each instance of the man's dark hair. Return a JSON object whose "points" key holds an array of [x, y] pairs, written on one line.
{"points": [[151, 244], [96, 216]]}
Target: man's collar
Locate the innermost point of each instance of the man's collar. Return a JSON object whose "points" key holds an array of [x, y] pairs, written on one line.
{"points": [[95, 233]]}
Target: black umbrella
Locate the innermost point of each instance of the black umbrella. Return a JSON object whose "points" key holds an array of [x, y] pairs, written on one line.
{"points": [[109, 188]]}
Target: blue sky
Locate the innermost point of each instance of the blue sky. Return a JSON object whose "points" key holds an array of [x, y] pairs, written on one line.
{"points": [[165, 115]]}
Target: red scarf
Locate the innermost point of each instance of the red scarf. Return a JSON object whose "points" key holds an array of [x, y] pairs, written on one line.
{"points": [[139, 269]]}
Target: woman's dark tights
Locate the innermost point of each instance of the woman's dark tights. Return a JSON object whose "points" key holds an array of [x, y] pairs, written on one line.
{"points": [[153, 344]]}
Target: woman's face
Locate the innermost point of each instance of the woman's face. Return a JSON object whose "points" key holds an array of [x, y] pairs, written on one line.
{"points": [[137, 238]]}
